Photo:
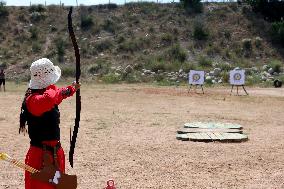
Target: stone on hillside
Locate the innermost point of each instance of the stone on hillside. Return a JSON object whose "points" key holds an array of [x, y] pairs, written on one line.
{"points": [[220, 81], [237, 68], [254, 69], [217, 71], [128, 69], [264, 67], [211, 73], [208, 77], [180, 71], [270, 70]]}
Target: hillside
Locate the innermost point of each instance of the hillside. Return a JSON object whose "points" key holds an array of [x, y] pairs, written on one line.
{"points": [[142, 42]]}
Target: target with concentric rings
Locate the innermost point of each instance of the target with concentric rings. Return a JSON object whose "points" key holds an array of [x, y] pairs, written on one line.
{"points": [[196, 77], [237, 76]]}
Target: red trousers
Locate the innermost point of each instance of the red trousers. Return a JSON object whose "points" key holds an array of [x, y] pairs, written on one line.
{"points": [[34, 158]]}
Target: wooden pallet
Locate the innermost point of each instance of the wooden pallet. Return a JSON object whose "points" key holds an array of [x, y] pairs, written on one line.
{"points": [[209, 132]]}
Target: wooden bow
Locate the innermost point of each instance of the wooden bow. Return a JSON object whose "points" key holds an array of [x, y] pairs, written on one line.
{"points": [[78, 97]]}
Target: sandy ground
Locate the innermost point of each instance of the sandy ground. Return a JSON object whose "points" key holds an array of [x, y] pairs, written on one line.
{"points": [[128, 132]]}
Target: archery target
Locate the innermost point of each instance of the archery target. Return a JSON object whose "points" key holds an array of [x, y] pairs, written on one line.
{"points": [[237, 77], [196, 77]]}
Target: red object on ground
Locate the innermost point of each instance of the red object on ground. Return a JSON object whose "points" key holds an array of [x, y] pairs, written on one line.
{"points": [[110, 184]]}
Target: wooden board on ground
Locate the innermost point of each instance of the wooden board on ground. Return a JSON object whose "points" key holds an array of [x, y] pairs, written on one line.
{"points": [[209, 125], [209, 132]]}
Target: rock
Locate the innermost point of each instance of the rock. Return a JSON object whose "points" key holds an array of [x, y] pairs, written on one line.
{"points": [[254, 69], [266, 74], [117, 74], [208, 77], [173, 78], [276, 74], [270, 70], [263, 78], [211, 73], [220, 81], [237, 68], [180, 71], [128, 69], [264, 67], [217, 71], [213, 81]]}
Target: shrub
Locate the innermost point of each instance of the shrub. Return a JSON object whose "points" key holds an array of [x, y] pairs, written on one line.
{"points": [[192, 6], [37, 8], [155, 65], [176, 53], [204, 62], [37, 16], [60, 47], [111, 78], [109, 25], [104, 45], [101, 67], [200, 31], [36, 47], [86, 22], [258, 42], [68, 71], [276, 65], [34, 32], [3, 9], [247, 45], [168, 38], [277, 32]]}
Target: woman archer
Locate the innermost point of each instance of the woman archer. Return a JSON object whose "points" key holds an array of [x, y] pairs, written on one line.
{"points": [[40, 112]]}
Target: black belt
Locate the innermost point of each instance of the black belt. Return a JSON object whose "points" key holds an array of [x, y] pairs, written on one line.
{"points": [[52, 149]]}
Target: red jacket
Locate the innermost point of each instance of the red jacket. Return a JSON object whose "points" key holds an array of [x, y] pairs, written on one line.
{"points": [[38, 104]]}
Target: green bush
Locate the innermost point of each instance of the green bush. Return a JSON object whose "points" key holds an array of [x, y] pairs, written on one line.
{"points": [[168, 38], [176, 53], [258, 42], [68, 71], [104, 45], [34, 32], [37, 8], [155, 65], [37, 16], [111, 78], [60, 48], [36, 47], [109, 25], [86, 22], [200, 31], [192, 6], [276, 65], [204, 62], [101, 67], [247, 44], [277, 32], [3, 10]]}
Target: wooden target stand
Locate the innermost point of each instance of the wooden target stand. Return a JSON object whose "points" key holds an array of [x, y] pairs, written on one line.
{"points": [[195, 88], [238, 89]]}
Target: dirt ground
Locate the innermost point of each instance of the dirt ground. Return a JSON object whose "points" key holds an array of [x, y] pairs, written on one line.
{"points": [[127, 132]]}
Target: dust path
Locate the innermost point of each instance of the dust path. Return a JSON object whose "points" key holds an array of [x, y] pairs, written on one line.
{"points": [[127, 133]]}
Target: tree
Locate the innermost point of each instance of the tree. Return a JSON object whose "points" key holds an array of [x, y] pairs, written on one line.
{"points": [[3, 10], [192, 6], [272, 10]]}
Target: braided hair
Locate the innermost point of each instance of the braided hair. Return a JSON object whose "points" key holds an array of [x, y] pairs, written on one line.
{"points": [[23, 114]]}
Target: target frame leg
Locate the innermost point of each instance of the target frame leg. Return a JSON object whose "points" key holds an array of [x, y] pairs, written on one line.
{"points": [[231, 90], [202, 89], [245, 89], [238, 90]]}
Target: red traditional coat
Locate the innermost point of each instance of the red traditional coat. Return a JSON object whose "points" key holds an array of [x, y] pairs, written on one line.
{"points": [[37, 105]]}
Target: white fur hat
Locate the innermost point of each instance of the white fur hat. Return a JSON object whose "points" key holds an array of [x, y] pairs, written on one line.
{"points": [[43, 74]]}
